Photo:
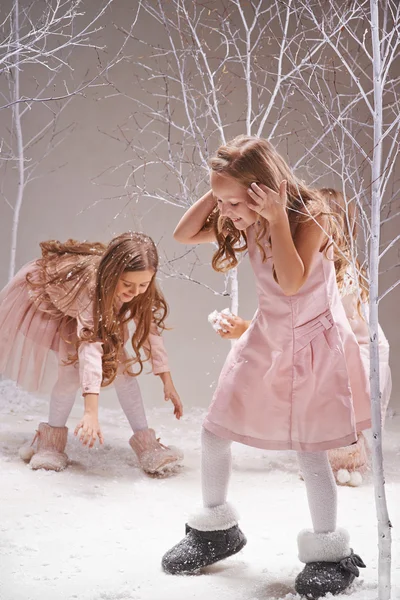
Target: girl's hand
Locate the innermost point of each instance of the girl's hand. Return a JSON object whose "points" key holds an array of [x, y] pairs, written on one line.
{"points": [[171, 394], [267, 203], [89, 430], [234, 327]]}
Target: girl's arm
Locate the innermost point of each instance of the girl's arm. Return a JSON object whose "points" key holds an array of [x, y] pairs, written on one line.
{"points": [[292, 256], [170, 394], [159, 356], [89, 424], [91, 375], [188, 230], [159, 360], [234, 327]]}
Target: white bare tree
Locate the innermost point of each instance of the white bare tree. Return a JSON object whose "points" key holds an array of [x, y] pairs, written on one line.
{"points": [[43, 34], [210, 71], [341, 59], [354, 99], [213, 70], [40, 41]]}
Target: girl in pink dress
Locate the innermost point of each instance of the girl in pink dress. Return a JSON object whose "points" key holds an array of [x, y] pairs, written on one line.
{"points": [[349, 463], [295, 379], [64, 325]]}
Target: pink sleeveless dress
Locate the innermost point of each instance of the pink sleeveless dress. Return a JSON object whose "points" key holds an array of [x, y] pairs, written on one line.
{"points": [[296, 379]]}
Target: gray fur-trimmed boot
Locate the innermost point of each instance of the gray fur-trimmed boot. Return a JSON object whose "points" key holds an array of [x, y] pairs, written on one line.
{"points": [[331, 565], [49, 455], [211, 535]]}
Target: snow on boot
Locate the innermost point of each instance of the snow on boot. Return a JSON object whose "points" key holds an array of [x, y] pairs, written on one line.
{"points": [[51, 444], [153, 456], [331, 565], [350, 463], [210, 537]]}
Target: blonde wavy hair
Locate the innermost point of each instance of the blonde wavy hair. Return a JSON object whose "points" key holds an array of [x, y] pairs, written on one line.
{"points": [[250, 159], [74, 266], [345, 238]]}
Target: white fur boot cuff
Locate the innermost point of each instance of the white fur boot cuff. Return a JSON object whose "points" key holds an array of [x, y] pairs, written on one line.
{"points": [[325, 547], [214, 519]]}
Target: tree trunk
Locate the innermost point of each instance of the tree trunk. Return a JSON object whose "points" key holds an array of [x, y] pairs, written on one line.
{"points": [[19, 139], [384, 525]]}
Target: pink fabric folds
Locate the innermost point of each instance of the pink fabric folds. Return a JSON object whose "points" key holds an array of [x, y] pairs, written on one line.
{"points": [[295, 379], [36, 336]]}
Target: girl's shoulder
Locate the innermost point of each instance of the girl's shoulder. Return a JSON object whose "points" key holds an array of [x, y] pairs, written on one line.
{"points": [[71, 282]]}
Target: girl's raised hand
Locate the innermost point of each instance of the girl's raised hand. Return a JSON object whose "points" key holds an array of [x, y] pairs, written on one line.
{"points": [[170, 394], [233, 327], [267, 203], [88, 430]]}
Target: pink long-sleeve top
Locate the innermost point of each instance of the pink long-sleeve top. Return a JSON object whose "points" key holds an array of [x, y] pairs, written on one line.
{"points": [[90, 353]]}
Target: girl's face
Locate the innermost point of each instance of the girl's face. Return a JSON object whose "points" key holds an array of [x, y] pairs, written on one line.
{"points": [[132, 283], [232, 200]]}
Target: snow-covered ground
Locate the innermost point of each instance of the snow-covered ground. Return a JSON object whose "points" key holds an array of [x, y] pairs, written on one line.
{"points": [[97, 531]]}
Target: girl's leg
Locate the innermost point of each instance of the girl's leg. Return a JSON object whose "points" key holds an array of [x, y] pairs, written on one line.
{"points": [[52, 436], [321, 490], [153, 456], [130, 399], [331, 565], [216, 468], [212, 533], [63, 395]]}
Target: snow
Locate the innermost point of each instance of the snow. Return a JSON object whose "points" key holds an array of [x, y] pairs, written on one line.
{"points": [[217, 319], [97, 531]]}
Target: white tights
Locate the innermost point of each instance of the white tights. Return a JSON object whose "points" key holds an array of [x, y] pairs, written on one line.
{"points": [[317, 473], [64, 392]]}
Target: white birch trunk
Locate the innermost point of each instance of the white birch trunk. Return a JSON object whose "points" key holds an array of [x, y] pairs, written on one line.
{"points": [[384, 525], [234, 286], [234, 293], [19, 141]]}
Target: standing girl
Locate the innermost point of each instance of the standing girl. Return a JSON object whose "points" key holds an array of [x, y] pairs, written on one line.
{"points": [[295, 379], [349, 463], [66, 316]]}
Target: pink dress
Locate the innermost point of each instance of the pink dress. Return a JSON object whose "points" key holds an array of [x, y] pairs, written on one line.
{"points": [[295, 380], [360, 329], [36, 337]]}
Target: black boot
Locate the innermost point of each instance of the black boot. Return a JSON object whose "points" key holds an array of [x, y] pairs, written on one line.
{"points": [[330, 574], [202, 548]]}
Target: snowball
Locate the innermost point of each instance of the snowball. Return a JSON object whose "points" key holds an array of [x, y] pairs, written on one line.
{"points": [[213, 319], [216, 319]]}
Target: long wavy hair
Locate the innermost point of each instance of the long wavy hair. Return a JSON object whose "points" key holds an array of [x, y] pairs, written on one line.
{"points": [[96, 269], [250, 159], [345, 238]]}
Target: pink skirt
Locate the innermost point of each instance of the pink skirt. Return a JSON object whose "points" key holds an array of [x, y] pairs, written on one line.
{"points": [[34, 340]]}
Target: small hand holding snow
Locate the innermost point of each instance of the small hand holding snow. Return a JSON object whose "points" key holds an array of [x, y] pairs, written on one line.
{"points": [[170, 394], [234, 327], [227, 325], [218, 319], [88, 430], [267, 203]]}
